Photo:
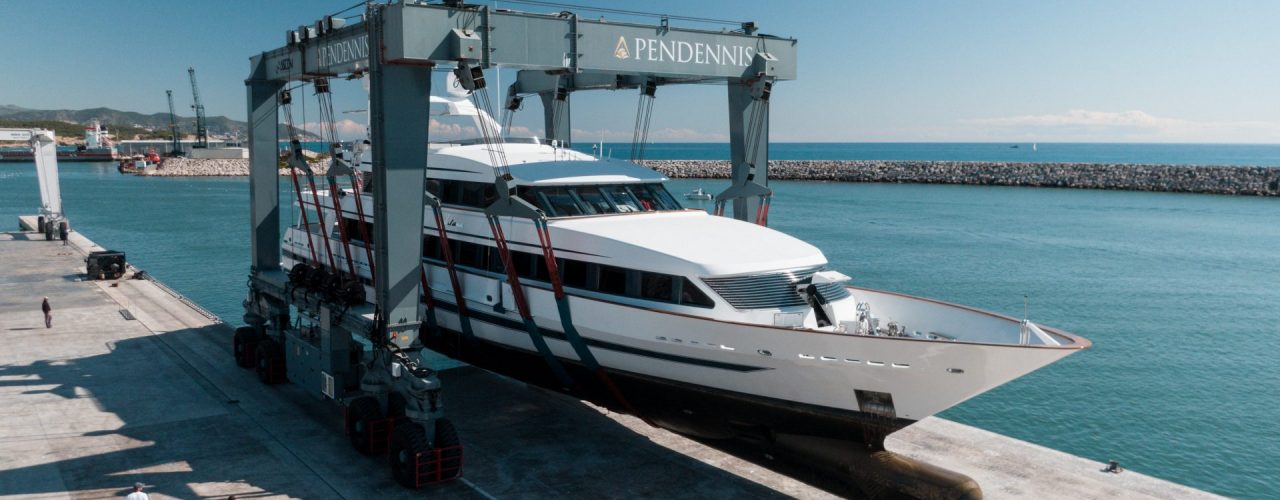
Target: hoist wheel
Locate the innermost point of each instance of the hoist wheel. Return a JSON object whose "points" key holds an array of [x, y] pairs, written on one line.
{"points": [[408, 444], [270, 362], [244, 345], [361, 413]]}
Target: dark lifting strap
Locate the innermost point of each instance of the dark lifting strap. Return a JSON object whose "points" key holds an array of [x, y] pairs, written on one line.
{"points": [[517, 294], [463, 316], [566, 321]]}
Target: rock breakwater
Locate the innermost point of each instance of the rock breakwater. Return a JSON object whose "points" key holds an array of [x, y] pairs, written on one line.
{"points": [[1249, 181], [1252, 181], [191, 167]]}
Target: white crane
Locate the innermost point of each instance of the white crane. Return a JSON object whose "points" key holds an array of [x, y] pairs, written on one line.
{"points": [[44, 148]]}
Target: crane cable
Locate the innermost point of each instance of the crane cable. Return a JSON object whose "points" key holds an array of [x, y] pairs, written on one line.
{"points": [[329, 134], [644, 112], [285, 99], [755, 129]]}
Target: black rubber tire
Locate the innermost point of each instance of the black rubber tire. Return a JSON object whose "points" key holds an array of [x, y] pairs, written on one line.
{"points": [[360, 413], [447, 437], [407, 441], [269, 351], [243, 344]]}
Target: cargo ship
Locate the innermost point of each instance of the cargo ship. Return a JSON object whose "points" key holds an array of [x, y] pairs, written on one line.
{"points": [[97, 147]]}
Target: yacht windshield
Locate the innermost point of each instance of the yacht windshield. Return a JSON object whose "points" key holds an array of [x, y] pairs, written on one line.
{"points": [[568, 201]]}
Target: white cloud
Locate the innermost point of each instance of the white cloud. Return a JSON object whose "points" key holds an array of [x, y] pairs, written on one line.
{"points": [[347, 129], [443, 130], [1119, 126]]}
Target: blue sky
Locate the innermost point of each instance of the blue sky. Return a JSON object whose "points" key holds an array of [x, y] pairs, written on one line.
{"points": [[1001, 71]]}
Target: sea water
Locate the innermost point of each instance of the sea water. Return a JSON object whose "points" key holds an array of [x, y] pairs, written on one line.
{"points": [[1179, 293]]}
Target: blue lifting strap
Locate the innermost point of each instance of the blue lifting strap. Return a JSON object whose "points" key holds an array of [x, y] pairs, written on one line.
{"points": [[517, 294], [566, 321]]}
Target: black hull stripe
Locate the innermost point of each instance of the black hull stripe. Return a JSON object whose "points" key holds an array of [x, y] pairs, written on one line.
{"points": [[610, 346]]}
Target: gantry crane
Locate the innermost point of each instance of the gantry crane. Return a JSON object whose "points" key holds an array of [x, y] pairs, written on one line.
{"points": [[397, 45], [176, 147], [202, 134]]}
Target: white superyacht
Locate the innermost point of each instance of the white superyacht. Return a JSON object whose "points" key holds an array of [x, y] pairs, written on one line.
{"points": [[702, 324]]}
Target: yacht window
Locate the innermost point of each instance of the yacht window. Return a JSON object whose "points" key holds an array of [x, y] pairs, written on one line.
{"points": [[655, 286], [468, 194], [691, 295], [575, 273], [478, 194], [540, 267], [667, 201], [529, 196], [431, 247], [594, 200], [561, 202], [495, 262], [613, 280], [353, 229], [470, 254], [523, 263], [622, 198], [648, 201]]}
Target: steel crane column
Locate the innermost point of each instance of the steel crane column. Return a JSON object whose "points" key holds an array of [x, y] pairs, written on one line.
{"points": [[399, 95], [264, 176]]}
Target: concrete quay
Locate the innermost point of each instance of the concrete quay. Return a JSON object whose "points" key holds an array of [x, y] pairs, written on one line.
{"points": [[132, 383], [1250, 181]]}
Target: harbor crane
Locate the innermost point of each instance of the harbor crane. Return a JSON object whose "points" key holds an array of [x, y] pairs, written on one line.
{"points": [[175, 148], [44, 149], [202, 133], [368, 357]]}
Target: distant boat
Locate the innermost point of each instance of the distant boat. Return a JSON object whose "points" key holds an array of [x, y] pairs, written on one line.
{"points": [[1015, 146], [1033, 146], [698, 194]]}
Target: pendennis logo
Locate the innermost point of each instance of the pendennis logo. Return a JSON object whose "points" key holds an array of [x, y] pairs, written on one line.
{"points": [[621, 52]]}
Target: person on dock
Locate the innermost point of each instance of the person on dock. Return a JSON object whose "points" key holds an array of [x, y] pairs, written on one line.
{"points": [[137, 493], [48, 313]]}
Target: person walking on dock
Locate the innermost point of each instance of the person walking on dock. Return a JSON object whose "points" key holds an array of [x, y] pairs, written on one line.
{"points": [[48, 313], [137, 493]]}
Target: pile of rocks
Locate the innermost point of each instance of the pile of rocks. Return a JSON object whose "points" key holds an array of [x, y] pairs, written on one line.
{"points": [[190, 167], [1254, 181]]}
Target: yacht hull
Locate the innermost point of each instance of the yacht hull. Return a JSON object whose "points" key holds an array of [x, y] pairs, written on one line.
{"points": [[694, 410]]}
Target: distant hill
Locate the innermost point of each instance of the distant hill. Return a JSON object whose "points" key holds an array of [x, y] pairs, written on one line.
{"points": [[127, 124]]}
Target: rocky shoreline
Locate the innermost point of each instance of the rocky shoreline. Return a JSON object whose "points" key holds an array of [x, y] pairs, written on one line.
{"points": [[191, 167], [1249, 181]]}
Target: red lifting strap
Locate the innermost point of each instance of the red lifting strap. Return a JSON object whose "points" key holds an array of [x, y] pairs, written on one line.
{"points": [[364, 228], [324, 232], [311, 245], [447, 252], [570, 331], [342, 229]]}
